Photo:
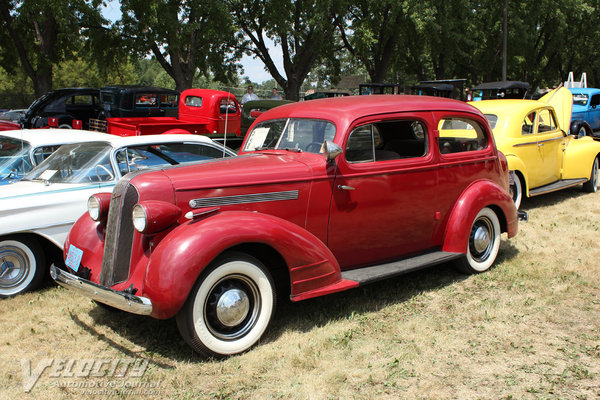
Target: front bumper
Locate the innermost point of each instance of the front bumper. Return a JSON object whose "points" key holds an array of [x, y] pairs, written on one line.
{"points": [[121, 300]]}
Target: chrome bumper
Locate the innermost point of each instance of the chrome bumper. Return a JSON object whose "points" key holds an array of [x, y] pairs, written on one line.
{"points": [[123, 301]]}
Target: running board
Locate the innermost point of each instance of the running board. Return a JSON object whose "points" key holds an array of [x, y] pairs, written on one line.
{"points": [[383, 271], [563, 184]]}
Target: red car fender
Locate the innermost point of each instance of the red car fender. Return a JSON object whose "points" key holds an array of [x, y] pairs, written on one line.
{"points": [[479, 194], [178, 260], [90, 239]]}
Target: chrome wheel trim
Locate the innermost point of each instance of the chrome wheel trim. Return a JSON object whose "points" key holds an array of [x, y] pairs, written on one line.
{"points": [[16, 269], [481, 239], [516, 191], [232, 307]]}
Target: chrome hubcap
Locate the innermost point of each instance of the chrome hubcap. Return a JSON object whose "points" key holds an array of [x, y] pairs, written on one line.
{"points": [[14, 267], [481, 240], [232, 307]]}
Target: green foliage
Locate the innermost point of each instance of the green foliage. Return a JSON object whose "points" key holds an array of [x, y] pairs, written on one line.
{"points": [[185, 36]]}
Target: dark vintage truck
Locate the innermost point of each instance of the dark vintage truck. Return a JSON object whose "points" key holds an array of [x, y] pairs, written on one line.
{"points": [[326, 195]]}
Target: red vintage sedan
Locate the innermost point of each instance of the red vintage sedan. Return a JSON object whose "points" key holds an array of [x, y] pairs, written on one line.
{"points": [[326, 195]]}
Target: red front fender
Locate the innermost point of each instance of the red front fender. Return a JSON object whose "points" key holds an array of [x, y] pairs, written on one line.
{"points": [[178, 260], [478, 195]]}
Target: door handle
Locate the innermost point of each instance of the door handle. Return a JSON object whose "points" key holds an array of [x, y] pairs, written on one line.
{"points": [[540, 144], [344, 187]]}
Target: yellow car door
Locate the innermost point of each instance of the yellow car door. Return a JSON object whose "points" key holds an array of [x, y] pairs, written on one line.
{"points": [[549, 145], [527, 150]]}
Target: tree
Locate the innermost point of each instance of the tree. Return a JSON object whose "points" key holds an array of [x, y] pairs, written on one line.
{"points": [[185, 36], [42, 33], [305, 30], [371, 32]]}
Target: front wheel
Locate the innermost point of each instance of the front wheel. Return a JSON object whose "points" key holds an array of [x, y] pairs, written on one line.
{"points": [[229, 307], [484, 243], [22, 265], [591, 186]]}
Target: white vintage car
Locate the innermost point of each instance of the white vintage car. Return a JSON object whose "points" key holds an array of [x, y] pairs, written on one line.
{"points": [[37, 212], [23, 149]]}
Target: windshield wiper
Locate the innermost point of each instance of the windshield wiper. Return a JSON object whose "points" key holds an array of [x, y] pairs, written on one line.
{"points": [[292, 149]]}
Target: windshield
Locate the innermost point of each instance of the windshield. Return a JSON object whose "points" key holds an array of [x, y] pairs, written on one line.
{"points": [[580, 99], [292, 133], [76, 163], [14, 158]]}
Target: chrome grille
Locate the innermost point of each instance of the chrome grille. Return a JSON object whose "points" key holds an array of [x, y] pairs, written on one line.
{"points": [[119, 233]]}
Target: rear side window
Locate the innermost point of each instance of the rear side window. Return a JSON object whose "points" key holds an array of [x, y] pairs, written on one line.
{"points": [[193, 101], [459, 135], [387, 140], [546, 122]]}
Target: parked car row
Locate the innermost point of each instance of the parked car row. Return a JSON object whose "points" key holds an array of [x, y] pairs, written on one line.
{"points": [[323, 196]]}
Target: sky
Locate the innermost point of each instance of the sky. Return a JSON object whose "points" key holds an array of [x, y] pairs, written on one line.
{"points": [[253, 68]]}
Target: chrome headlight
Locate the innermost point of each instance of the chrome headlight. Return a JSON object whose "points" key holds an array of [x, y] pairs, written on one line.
{"points": [[139, 218], [98, 205]]}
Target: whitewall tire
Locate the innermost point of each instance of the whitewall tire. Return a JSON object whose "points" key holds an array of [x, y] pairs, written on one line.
{"points": [[22, 265], [483, 243], [230, 306]]}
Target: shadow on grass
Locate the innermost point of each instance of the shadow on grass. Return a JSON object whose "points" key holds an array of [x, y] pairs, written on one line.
{"points": [[551, 199], [162, 337]]}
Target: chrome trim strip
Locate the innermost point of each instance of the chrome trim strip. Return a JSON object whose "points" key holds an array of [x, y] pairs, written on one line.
{"points": [[244, 198], [539, 141], [123, 301]]}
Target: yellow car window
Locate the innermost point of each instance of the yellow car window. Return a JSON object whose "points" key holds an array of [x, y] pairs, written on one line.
{"points": [[527, 128], [546, 122]]}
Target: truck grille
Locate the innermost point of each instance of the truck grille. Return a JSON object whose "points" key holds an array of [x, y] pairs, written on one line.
{"points": [[119, 233]]}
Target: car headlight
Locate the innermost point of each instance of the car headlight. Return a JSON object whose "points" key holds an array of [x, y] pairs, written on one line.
{"points": [[139, 218], [98, 205], [153, 216]]}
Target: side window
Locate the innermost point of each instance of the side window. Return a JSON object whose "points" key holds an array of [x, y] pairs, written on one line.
{"points": [[146, 100], [227, 106], [82, 99], [546, 122], [528, 121], [193, 101], [459, 135], [595, 100], [168, 100], [188, 152], [387, 140], [41, 153]]}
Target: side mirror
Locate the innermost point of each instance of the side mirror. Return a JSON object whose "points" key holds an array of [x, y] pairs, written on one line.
{"points": [[332, 150]]}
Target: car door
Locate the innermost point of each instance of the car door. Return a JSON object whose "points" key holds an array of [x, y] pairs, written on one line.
{"points": [[593, 112], [549, 143], [229, 116], [384, 192]]}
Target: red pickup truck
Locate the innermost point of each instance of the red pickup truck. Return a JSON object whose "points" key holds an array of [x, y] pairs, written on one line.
{"points": [[201, 111]]}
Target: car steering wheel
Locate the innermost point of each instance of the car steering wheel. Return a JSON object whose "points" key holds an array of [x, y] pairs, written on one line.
{"points": [[313, 146], [102, 167]]}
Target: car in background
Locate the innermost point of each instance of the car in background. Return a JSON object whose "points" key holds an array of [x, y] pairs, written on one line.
{"points": [[13, 115], [65, 105], [37, 212], [9, 126], [542, 156], [23, 149], [585, 120], [326, 195], [500, 90], [254, 108], [138, 101]]}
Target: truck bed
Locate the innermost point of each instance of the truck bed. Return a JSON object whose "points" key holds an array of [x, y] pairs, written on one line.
{"points": [[136, 126]]}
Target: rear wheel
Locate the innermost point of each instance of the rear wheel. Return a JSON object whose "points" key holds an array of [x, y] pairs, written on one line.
{"points": [[516, 190], [484, 243], [229, 307], [22, 265], [591, 186]]}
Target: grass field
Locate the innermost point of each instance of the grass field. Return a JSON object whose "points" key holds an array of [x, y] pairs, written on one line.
{"points": [[527, 329]]}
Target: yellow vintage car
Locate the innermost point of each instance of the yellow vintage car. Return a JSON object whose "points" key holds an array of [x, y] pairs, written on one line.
{"points": [[542, 157]]}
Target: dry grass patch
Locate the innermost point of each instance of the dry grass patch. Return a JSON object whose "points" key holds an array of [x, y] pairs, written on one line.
{"points": [[527, 329]]}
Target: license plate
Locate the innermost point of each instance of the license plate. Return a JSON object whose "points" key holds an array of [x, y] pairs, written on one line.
{"points": [[74, 257]]}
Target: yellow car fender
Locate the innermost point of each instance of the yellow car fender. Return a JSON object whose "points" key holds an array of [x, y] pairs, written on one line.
{"points": [[579, 155], [518, 166]]}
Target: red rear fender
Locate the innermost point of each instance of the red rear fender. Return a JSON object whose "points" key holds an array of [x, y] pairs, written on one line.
{"points": [[478, 195]]}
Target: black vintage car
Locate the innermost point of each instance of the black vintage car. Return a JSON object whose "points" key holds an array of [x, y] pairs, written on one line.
{"points": [[66, 105], [138, 101]]}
